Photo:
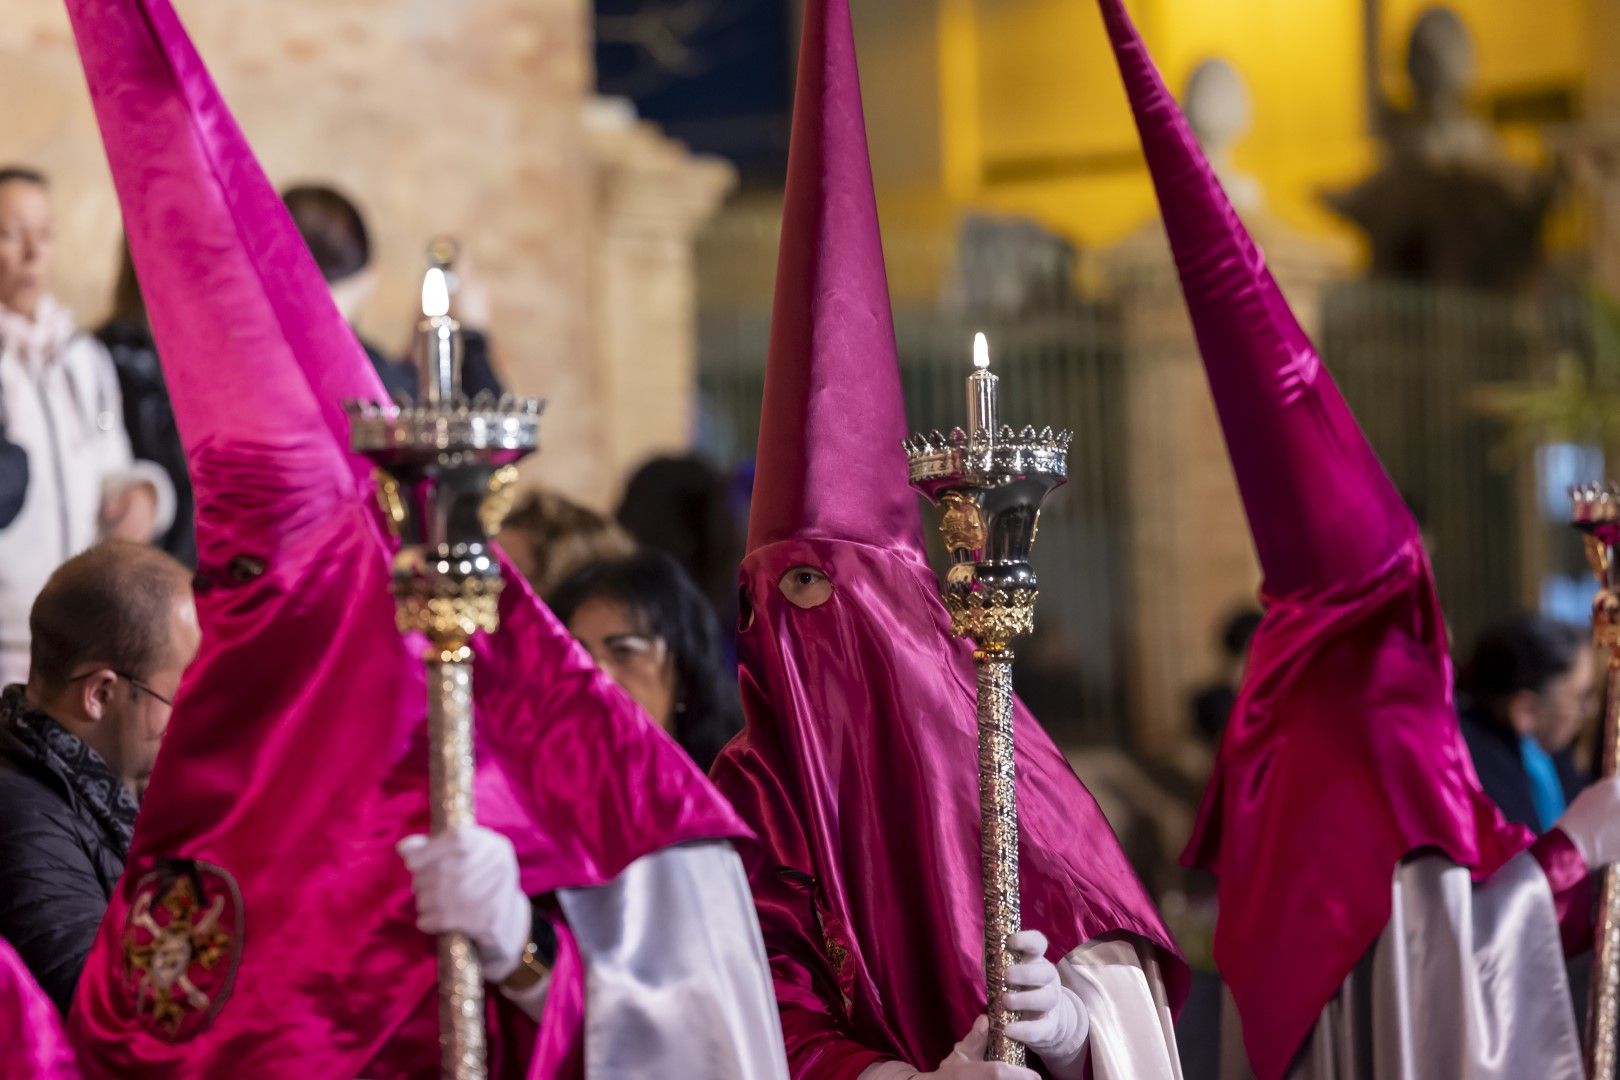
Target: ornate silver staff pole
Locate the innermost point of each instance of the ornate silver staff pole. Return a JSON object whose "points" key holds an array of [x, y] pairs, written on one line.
{"points": [[988, 484], [1597, 515], [444, 471]]}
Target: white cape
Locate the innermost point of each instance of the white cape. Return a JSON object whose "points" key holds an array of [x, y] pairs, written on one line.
{"points": [[676, 981], [1467, 982]]}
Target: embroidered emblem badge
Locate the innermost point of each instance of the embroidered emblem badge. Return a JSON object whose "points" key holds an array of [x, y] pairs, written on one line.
{"points": [[182, 945]]}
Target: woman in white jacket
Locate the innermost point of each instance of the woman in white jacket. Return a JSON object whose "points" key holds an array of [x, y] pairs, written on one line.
{"points": [[59, 402]]}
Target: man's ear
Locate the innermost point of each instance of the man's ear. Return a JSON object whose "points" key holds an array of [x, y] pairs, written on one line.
{"points": [[95, 693]]}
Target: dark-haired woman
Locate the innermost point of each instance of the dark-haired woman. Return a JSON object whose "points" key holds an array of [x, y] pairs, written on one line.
{"points": [[651, 630], [1525, 695]]}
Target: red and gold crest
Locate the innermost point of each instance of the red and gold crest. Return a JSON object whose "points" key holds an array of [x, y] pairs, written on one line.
{"points": [[182, 945]]}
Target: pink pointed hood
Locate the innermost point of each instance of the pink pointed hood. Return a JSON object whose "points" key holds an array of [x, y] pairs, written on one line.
{"points": [[297, 754], [1343, 754], [832, 417], [857, 768]]}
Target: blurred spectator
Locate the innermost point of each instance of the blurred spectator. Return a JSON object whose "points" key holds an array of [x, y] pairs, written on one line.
{"points": [[681, 505], [548, 537], [61, 404], [114, 630], [646, 625], [1212, 705], [1525, 695], [336, 233], [148, 416]]}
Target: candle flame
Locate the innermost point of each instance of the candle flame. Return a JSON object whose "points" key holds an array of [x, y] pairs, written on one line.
{"points": [[981, 352], [435, 294]]}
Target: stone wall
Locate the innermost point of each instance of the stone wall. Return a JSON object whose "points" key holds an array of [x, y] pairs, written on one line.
{"points": [[470, 118]]}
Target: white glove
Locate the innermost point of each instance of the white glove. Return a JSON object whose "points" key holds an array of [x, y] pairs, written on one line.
{"points": [[1592, 823], [466, 882], [966, 1062], [1054, 1021]]}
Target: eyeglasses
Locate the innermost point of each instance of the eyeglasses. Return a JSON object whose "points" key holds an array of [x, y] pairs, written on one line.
{"points": [[631, 651], [133, 681]]}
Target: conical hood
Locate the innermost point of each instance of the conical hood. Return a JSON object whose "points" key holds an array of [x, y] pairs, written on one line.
{"points": [[1319, 504], [269, 352], [1348, 676], [830, 463]]}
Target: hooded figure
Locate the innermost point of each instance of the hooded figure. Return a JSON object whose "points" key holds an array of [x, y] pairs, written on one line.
{"points": [[1378, 917], [857, 767], [265, 926]]}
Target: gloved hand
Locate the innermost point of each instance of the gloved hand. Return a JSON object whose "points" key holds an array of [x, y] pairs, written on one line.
{"points": [[1592, 823], [466, 881], [966, 1062], [1055, 1022]]}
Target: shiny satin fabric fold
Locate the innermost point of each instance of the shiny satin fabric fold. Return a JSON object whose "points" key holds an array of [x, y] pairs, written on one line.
{"points": [[32, 1043], [858, 771], [570, 741], [1343, 753]]}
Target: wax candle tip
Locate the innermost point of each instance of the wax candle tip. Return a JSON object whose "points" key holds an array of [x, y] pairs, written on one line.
{"points": [[435, 294]]}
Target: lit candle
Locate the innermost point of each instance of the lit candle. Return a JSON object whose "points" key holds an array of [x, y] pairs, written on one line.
{"points": [[438, 343], [981, 392]]}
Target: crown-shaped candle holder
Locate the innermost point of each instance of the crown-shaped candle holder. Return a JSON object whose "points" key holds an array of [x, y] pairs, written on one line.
{"points": [[1596, 513], [989, 483], [446, 469], [989, 488], [445, 480]]}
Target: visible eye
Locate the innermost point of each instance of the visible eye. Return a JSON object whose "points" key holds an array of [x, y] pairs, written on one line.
{"points": [[805, 587]]}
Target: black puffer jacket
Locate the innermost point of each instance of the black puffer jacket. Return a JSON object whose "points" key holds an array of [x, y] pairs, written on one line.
{"points": [[59, 860], [149, 419]]}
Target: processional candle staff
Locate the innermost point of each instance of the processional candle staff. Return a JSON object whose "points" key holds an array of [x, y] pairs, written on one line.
{"points": [[445, 473], [989, 483], [1597, 515]]}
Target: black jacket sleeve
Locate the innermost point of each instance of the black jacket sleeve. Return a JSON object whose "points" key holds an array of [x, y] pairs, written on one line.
{"points": [[13, 474], [51, 900]]}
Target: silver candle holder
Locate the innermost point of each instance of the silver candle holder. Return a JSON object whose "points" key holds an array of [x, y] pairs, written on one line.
{"points": [[445, 476], [989, 483], [1596, 513]]}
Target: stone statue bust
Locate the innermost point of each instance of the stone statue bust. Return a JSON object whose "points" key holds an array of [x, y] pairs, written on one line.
{"points": [[1446, 206], [1220, 112]]}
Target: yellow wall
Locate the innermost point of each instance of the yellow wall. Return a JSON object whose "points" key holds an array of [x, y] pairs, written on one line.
{"points": [[1031, 119]]}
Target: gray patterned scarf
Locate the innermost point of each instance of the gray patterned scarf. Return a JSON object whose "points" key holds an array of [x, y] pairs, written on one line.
{"points": [[69, 757]]}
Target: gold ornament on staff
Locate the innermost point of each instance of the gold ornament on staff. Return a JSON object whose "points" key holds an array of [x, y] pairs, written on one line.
{"points": [[989, 484], [1597, 515], [444, 478]]}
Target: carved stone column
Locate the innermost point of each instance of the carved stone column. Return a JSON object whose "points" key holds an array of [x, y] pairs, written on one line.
{"points": [[652, 196]]}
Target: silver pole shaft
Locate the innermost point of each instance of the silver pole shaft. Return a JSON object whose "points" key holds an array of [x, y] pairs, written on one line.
{"points": [[998, 814], [461, 977]]}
